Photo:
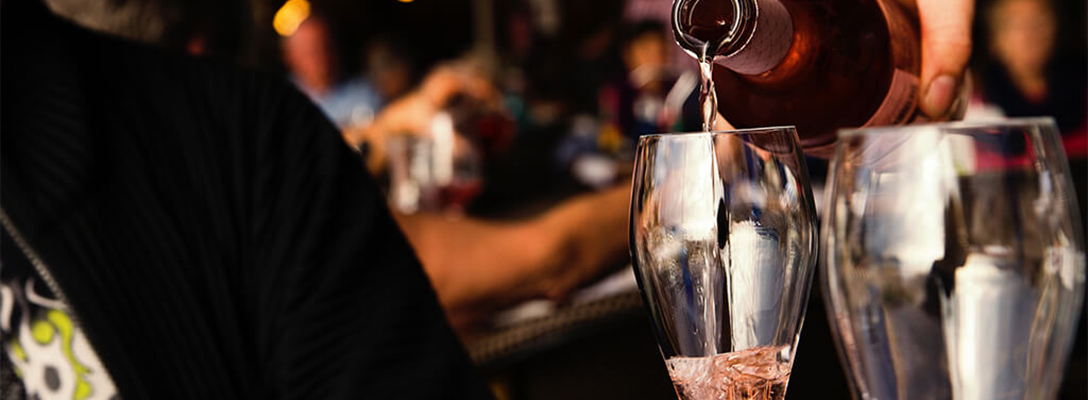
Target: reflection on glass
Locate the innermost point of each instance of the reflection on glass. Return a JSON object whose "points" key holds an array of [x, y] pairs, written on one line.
{"points": [[723, 239], [953, 260]]}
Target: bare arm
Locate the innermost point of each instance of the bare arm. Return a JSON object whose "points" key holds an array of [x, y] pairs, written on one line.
{"points": [[479, 266]]}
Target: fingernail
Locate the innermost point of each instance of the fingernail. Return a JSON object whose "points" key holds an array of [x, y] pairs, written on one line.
{"points": [[940, 94]]}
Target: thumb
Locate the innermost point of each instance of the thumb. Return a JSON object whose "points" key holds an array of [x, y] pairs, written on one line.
{"points": [[946, 48]]}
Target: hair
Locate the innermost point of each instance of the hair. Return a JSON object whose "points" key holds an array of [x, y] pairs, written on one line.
{"points": [[222, 26], [631, 32], [398, 52], [1068, 15], [992, 9]]}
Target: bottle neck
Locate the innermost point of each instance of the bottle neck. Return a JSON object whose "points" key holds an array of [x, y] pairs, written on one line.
{"points": [[763, 37]]}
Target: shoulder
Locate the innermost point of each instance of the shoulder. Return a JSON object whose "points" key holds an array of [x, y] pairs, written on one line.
{"points": [[203, 102]]}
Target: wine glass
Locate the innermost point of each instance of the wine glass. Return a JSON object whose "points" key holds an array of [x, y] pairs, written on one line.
{"points": [[723, 238], [954, 263]]}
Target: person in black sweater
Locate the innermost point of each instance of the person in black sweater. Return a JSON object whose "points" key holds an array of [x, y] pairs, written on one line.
{"points": [[174, 228]]}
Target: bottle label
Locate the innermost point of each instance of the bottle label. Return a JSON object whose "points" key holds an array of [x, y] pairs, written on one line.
{"points": [[768, 45], [900, 105]]}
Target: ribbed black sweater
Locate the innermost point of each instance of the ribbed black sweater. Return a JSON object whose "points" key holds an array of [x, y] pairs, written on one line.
{"points": [[213, 233]]}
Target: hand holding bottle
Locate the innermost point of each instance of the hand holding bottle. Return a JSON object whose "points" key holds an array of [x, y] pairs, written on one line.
{"points": [[946, 47]]}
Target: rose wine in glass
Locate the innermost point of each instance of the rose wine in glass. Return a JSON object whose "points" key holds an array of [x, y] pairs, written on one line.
{"points": [[723, 242], [755, 374]]}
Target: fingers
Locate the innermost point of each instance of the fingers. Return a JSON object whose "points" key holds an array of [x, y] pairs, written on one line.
{"points": [[946, 48], [722, 124]]}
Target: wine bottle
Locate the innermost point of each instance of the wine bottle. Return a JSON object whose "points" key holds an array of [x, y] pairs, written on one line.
{"points": [[819, 65]]}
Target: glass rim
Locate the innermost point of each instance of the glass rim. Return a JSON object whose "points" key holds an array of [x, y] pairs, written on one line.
{"points": [[743, 131], [951, 126]]}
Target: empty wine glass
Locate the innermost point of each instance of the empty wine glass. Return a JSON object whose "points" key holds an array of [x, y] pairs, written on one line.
{"points": [[723, 237], [953, 260]]}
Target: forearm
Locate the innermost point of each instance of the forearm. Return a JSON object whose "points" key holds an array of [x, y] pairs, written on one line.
{"points": [[478, 266], [593, 239]]}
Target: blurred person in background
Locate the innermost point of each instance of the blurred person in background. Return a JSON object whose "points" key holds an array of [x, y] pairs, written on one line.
{"points": [[310, 56], [632, 102], [176, 228], [645, 96], [1022, 74], [639, 97], [660, 11], [391, 68]]}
